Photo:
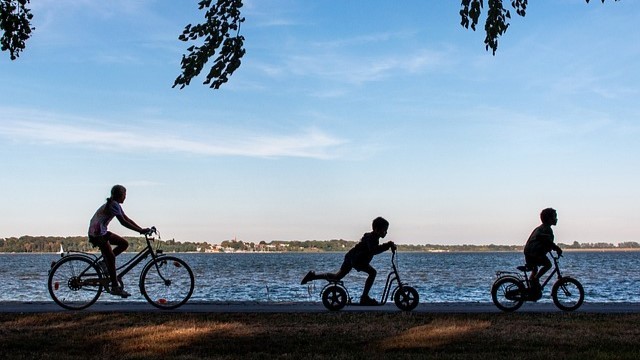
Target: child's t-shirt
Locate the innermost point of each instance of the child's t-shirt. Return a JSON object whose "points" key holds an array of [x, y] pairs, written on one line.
{"points": [[367, 248], [540, 241]]}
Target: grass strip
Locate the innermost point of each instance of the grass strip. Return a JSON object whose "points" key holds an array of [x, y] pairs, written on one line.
{"points": [[341, 335]]}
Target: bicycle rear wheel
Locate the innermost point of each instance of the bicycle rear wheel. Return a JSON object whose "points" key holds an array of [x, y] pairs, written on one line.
{"points": [[75, 282], [508, 294], [567, 294], [167, 282]]}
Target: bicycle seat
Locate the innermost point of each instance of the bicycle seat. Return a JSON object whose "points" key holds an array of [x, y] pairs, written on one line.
{"points": [[524, 268]]}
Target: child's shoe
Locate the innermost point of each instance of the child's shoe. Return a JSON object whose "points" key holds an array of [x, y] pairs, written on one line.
{"points": [[311, 275], [366, 300]]}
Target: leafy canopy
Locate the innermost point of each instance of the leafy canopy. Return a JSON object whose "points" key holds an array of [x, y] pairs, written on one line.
{"points": [[218, 37], [15, 23]]}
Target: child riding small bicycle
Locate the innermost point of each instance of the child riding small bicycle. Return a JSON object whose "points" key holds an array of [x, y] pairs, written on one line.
{"points": [[540, 243], [359, 258]]}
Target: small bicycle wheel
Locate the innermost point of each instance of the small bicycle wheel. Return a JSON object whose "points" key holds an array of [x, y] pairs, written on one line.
{"points": [[334, 297], [406, 298], [508, 294], [167, 282], [567, 294], [75, 282]]}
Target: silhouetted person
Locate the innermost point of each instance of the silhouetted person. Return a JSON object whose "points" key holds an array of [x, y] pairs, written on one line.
{"points": [[540, 242], [102, 238], [359, 258]]}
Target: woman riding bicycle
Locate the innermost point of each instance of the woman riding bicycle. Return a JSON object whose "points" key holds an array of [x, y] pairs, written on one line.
{"points": [[100, 237]]}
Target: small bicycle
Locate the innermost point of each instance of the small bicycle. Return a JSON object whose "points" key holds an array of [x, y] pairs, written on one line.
{"points": [[76, 280], [512, 289], [335, 295]]}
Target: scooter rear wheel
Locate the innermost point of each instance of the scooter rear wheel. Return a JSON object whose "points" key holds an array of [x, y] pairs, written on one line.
{"points": [[406, 298], [334, 297]]}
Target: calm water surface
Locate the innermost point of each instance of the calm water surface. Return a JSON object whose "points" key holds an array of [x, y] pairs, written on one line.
{"points": [[438, 277]]}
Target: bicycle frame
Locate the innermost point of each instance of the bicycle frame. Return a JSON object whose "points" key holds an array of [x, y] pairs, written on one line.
{"points": [[125, 268], [556, 270], [138, 258], [523, 276]]}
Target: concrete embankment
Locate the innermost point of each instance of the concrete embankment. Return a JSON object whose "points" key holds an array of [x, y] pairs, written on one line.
{"points": [[296, 307]]}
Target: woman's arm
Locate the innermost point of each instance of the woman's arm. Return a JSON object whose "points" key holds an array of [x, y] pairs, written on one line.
{"points": [[130, 224]]}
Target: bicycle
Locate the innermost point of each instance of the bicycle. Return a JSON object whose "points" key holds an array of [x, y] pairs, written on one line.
{"points": [[76, 281], [511, 289], [335, 295]]}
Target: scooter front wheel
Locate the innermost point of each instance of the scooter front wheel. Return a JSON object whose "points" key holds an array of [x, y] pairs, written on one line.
{"points": [[334, 297], [406, 298]]}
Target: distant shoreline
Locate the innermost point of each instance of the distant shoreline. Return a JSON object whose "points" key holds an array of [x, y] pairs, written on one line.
{"points": [[340, 252]]}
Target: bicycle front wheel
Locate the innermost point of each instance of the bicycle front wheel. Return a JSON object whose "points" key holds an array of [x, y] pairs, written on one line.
{"points": [[75, 282], [508, 294], [167, 282], [567, 294]]}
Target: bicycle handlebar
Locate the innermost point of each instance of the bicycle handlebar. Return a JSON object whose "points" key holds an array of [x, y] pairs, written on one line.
{"points": [[558, 255], [152, 230]]}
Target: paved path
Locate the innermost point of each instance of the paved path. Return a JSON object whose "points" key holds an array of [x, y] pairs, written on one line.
{"points": [[271, 307]]}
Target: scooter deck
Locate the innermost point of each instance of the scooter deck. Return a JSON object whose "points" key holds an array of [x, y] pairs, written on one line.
{"points": [[358, 304]]}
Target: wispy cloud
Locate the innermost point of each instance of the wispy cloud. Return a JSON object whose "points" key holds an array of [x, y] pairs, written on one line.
{"points": [[306, 143], [355, 60], [358, 70], [90, 7], [276, 13], [360, 40]]}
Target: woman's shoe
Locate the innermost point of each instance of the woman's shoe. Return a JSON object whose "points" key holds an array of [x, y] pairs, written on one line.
{"points": [[118, 291]]}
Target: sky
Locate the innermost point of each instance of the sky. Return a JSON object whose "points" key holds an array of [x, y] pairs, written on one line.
{"points": [[341, 111]]}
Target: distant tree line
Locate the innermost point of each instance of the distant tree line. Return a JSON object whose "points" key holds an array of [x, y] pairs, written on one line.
{"points": [[44, 244], [602, 245], [34, 244], [343, 245]]}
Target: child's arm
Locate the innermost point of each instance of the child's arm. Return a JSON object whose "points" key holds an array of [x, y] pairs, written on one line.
{"points": [[384, 247]]}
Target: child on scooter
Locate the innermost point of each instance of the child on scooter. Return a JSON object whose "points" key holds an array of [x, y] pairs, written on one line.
{"points": [[359, 258], [540, 242]]}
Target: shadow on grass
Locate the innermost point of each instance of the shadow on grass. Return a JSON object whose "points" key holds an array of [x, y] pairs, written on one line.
{"points": [[324, 335]]}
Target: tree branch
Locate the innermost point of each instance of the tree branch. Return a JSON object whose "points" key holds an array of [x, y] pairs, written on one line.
{"points": [[221, 20], [15, 23]]}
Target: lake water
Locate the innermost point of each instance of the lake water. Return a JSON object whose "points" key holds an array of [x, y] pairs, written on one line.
{"points": [[438, 277]]}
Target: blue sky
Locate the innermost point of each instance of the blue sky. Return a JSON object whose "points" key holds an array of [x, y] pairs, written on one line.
{"points": [[341, 111]]}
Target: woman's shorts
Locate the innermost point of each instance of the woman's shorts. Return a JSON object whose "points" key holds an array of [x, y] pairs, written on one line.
{"points": [[96, 241]]}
